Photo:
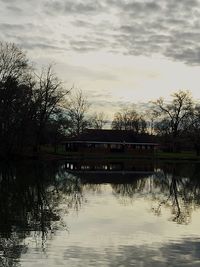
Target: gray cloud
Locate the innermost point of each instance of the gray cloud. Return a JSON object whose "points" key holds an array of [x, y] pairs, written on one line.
{"points": [[7, 1], [95, 44], [72, 7], [141, 8], [11, 27], [161, 31], [166, 27], [41, 46], [15, 9]]}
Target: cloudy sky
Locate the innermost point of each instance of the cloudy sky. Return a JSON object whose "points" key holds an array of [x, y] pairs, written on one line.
{"points": [[116, 51]]}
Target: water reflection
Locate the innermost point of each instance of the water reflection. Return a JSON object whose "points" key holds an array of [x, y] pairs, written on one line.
{"points": [[16, 198], [170, 185], [180, 190], [161, 255], [35, 196], [88, 165], [29, 203]]}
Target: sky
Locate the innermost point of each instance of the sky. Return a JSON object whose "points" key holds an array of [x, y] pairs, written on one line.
{"points": [[118, 52]]}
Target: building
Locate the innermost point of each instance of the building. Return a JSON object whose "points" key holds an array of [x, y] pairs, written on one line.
{"points": [[111, 141]]}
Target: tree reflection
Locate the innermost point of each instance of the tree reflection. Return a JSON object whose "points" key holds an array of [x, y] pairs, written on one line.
{"points": [[71, 190], [174, 187], [34, 196], [175, 196], [30, 195], [181, 193], [25, 201], [11, 249]]}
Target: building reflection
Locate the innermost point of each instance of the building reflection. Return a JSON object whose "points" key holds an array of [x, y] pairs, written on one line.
{"points": [[169, 185], [32, 193], [110, 171], [110, 165]]}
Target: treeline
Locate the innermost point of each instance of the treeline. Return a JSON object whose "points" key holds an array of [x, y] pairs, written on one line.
{"points": [[36, 109], [175, 123], [29, 102]]}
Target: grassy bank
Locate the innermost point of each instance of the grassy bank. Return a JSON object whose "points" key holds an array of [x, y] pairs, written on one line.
{"points": [[48, 153], [185, 155]]}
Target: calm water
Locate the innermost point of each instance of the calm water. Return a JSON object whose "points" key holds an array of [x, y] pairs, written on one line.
{"points": [[89, 213]]}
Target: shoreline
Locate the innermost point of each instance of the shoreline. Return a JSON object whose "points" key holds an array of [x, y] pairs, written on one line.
{"points": [[161, 156]]}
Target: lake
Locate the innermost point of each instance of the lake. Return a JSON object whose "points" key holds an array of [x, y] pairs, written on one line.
{"points": [[99, 213]]}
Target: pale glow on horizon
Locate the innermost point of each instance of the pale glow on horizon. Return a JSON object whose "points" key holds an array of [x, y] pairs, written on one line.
{"points": [[126, 79]]}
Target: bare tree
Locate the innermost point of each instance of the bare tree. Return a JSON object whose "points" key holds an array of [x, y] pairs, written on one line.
{"points": [[174, 116], [27, 101], [48, 94], [194, 129], [77, 108], [175, 112], [13, 61], [55, 130], [98, 120], [129, 119], [15, 96]]}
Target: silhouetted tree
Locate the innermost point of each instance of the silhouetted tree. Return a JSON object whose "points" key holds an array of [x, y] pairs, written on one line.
{"points": [[76, 109], [174, 115], [15, 97], [98, 120], [55, 130], [13, 62], [27, 101], [193, 130], [48, 95], [129, 119]]}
